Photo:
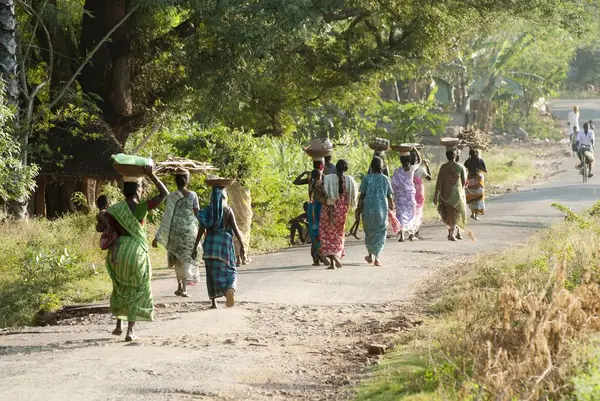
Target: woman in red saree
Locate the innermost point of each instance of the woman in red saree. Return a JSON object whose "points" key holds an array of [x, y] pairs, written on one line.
{"points": [[341, 194]]}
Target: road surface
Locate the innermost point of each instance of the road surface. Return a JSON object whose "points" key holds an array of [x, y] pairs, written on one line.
{"points": [[296, 332]]}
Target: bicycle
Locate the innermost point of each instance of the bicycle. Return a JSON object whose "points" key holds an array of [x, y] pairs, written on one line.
{"points": [[586, 162]]}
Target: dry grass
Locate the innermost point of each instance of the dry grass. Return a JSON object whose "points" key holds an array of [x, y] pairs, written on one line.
{"points": [[506, 328]]}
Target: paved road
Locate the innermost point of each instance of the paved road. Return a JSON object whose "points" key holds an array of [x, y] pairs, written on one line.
{"points": [[185, 354]]}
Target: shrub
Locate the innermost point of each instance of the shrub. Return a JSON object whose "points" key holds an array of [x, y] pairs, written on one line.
{"points": [[42, 262]]}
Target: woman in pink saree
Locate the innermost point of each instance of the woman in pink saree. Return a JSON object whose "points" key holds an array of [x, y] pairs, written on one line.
{"points": [[422, 172], [404, 196]]}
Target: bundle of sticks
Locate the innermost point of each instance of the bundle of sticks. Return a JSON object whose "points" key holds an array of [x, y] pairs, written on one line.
{"points": [[174, 165], [475, 138]]}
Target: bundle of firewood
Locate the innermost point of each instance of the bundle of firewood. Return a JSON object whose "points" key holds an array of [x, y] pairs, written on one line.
{"points": [[174, 165], [475, 138]]}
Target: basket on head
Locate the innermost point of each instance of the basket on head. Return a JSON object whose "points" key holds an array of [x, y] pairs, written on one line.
{"points": [[402, 149], [319, 147], [317, 154], [131, 166], [379, 144], [450, 142], [219, 182]]}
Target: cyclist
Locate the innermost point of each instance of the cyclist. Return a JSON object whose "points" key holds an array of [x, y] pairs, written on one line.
{"points": [[585, 143]]}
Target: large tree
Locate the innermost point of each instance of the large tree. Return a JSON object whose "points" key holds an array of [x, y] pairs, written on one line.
{"points": [[110, 67]]}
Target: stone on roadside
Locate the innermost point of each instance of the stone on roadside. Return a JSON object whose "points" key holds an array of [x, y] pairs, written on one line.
{"points": [[521, 134], [377, 349]]}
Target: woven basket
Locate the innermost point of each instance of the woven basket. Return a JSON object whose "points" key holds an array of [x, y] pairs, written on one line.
{"points": [[379, 144], [450, 142], [219, 182], [401, 148], [317, 153], [130, 170]]}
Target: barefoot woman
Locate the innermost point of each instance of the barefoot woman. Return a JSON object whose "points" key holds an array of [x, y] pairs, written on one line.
{"points": [[177, 232], [130, 269], [341, 196], [450, 195], [219, 254], [375, 199]]}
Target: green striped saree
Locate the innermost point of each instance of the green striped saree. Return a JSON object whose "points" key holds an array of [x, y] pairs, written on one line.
{"points": [[131, 274]]}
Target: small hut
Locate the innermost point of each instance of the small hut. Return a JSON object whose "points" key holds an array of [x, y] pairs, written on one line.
{"points": [[71, 163]]}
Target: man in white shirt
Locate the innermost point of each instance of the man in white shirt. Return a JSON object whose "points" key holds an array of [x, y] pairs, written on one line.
{"points": [[587, 138], [574, 119]]}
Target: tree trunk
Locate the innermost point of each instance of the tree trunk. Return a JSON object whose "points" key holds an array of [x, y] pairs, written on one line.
{"points": [[8, 51], [9, 69], [109, 72]]}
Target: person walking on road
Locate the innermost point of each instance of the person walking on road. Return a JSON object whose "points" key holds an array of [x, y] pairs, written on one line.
{"points": [[313, 179], [573, 123], [405, 195], [341, 193], [376, 197], [218, 220], [177, 233], [475, 193], [422, 172], [130, 270], [450, 195]]}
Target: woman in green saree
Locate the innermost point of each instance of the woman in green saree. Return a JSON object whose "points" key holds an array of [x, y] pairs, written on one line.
{"points": [[130, 270]]}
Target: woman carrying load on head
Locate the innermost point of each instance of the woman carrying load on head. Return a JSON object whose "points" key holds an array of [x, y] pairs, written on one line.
{"points": [[340, 190], [450, 195], [218, 221], [177, 233], [422, 172], [130, 269], [375, 200], [475, 193], [405, 195], [313, 179]]}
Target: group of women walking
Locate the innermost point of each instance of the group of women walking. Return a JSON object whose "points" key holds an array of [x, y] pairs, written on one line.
{"points": [[183, 226], [382, 202], [332, 193]]}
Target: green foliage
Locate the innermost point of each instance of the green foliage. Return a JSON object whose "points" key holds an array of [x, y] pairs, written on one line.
{"points": [[16, 179], [44, 264], [536, 125], [49, 271], [406, 122], [586, 381]]}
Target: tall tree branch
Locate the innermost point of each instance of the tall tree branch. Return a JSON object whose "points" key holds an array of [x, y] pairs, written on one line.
{"points": [[106, 37]]}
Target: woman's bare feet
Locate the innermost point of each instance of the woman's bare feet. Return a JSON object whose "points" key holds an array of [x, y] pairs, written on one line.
{"points": [[118, 329], [401, 239], [412, 238], [229, 295], [130, 334], [213, 304], [377, 262], [338, 263], [369, 259]]}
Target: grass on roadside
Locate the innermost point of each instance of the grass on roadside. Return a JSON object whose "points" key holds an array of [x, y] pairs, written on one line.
{"points": [[518, 325]]}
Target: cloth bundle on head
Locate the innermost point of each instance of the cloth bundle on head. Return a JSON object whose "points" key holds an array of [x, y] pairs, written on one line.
{"points": [[211, 217]]}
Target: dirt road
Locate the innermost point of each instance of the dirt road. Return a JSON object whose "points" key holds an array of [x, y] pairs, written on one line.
{"points": [[299, 332]]}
